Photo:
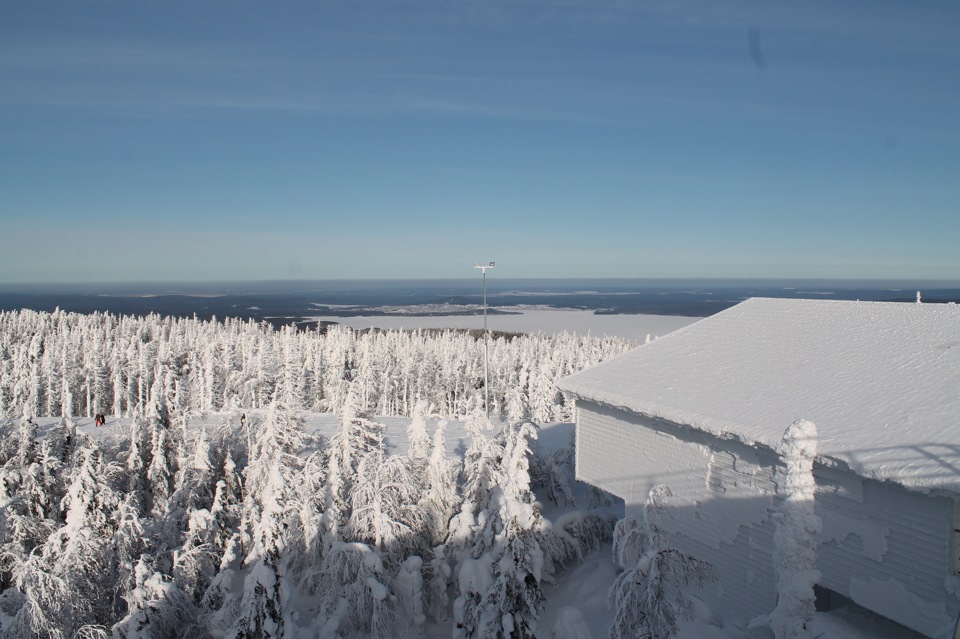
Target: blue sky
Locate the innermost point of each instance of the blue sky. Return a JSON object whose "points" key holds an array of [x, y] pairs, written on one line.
{"points": [[212, 140]]}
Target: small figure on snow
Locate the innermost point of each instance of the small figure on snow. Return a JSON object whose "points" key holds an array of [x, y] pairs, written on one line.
{"points": [[243, 420], [99, 419]]}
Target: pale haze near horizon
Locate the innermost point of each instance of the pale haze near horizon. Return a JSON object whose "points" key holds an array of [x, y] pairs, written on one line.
{"points": [[216, 141]]}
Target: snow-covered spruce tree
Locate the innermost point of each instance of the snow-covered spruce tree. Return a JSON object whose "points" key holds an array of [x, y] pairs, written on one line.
{"points": [[188, 507], [629, 541], [441, 498], [24, 525], [482, 472], [649, 598], [570, 536], [514, 600], [223, 542], [130, 544], [162, 467], [42, 593], [138, 459], [417, 437], [794, 543], [23, 505], [27, 450], [356, 436], [356, 595], [67, 583], [274, 465], [439, 503], [408, 584], [310, 502], [464, 545], [554, 472], [157, 608], [507, 601], [384, 511], [9, 441], [193, 482], [58, 450], [197, 561], [226, 506]]}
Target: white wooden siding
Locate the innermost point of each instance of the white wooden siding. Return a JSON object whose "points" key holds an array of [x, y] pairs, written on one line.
{"points": [[884, 547], [955, 551], [888, 551], [720, 505]]}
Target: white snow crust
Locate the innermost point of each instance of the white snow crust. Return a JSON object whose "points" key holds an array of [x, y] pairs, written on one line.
{"points": [[881, 380]]}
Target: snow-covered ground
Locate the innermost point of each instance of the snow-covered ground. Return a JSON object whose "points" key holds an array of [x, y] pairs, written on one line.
{"points": [[547, 321]]}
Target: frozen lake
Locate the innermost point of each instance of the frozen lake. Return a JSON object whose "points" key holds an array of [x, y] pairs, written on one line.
{"points": [[632, 327]]}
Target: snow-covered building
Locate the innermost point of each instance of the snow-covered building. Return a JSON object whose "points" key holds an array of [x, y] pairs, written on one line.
{"points": [[703, 409]]}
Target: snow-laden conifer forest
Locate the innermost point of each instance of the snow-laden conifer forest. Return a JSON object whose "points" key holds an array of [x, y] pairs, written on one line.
{"points": [[215, 511], [81, 365]]}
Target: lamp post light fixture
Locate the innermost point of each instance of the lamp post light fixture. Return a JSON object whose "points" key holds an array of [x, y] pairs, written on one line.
{"points": [[486, 374]]}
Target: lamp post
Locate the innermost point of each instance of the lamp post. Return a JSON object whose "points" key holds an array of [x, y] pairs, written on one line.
{"points": [[486, 374]]}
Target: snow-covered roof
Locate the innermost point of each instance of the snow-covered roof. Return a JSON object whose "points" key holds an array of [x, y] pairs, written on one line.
{"points": [[881, 381]]}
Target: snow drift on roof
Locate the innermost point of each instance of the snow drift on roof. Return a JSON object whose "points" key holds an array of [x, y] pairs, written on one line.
{"points": [[881, 381]]}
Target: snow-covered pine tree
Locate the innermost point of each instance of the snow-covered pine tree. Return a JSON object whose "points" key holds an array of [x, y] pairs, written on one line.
{"points": [[649, 598]]}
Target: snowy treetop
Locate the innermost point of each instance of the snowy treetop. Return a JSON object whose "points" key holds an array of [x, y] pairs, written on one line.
{"points": [[881, 380]]}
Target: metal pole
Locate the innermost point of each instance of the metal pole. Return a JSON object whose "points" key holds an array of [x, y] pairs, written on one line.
{"points": [[486, 334], [486, 374]]}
